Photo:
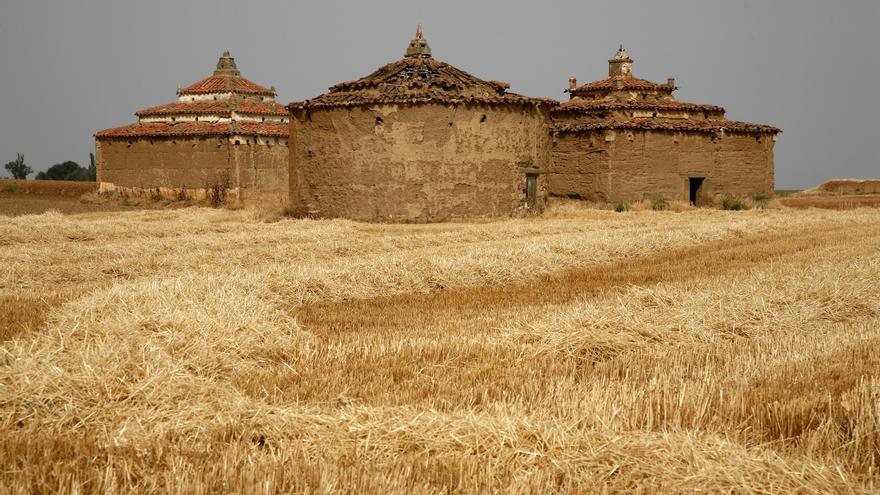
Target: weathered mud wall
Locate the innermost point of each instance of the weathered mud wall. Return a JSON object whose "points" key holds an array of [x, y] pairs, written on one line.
{"points": [[630, 166], [259, 171], [262, 172], [428, 162]]}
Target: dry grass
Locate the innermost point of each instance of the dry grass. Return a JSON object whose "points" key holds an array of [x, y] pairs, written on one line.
{"points": [[845, 186], [832, 202], [585, 351]]}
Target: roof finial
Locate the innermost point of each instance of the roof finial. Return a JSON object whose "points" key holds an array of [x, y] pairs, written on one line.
{"points": [[226, 66], [620, 65], [418, 47]]}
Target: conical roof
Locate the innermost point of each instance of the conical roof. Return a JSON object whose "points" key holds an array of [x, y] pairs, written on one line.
{"points": [[419, 78], [234, 111], [226, 79]]}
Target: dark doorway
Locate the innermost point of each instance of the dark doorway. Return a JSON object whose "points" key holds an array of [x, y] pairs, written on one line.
{"points": [[696, 183], [532, 189]]}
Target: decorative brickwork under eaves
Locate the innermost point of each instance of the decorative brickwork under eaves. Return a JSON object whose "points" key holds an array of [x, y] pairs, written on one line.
{"points": [[591, 106], [220, 108], [703, 126], [190, 129], [419, 78]]}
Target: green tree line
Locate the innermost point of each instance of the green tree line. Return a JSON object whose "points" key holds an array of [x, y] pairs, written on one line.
{"points": [[68, 170]]}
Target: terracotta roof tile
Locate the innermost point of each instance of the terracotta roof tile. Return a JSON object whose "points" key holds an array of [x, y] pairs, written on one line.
{"points": [[225, 84], [707, 126], [419, 80], [627, 82], [224, 108], [184, 129]]}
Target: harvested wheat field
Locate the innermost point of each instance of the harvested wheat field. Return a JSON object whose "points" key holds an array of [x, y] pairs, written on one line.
{"points": [[199, 350]]}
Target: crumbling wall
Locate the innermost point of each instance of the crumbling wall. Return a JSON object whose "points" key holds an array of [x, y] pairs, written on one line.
{"points": [[261, 170], [425, 162], [258, 171], [634, 165], [580, 167], [149, 163]]}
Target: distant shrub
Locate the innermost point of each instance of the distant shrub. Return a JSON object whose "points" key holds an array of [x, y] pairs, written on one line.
{"points": [[621, 207], [10, 187], [67, 171], [760, 197], [659, 204], [733, 203]]}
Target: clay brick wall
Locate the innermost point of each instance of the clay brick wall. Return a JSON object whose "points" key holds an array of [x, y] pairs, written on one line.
{"points": [[636, 165], [258, 170], [427, 162]]}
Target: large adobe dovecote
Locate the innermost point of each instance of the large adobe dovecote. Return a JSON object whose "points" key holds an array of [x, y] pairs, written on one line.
{"points": [[221, 129], [624, 138], [421, 140], [418, 140]]}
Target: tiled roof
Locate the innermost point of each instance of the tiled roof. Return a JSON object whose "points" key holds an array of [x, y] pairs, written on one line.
{"points": [[627, 83], [224, 108], [587, 106], [419, 80], [225, 84], [184, 129], [708, 126]]}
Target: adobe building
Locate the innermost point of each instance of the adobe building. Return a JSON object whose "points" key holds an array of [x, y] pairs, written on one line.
{"points": [[628, 139], [222, 129], [418, 140]]}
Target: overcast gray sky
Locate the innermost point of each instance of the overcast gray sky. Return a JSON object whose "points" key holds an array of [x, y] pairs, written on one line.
{"points": [[70, 68]]}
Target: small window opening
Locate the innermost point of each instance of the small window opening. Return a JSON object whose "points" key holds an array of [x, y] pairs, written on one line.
{"points": [[379, 121], [757, 139], [695, 184], [483, 119], [237, 142]]}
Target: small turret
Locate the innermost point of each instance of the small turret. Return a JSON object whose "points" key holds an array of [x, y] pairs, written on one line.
{"points": [[620, 65], [418, 47], [226, 66]]}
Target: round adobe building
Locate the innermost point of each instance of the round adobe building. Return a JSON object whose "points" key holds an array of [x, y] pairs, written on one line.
{"points": [[418, 140]]}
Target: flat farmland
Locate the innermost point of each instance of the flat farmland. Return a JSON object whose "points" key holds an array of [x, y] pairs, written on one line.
{"points": [[201, 350]]}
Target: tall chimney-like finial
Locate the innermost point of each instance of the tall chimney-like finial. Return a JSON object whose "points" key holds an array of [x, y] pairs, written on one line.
{"points": [[620, 65], [418, 47], [226, 66]]}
